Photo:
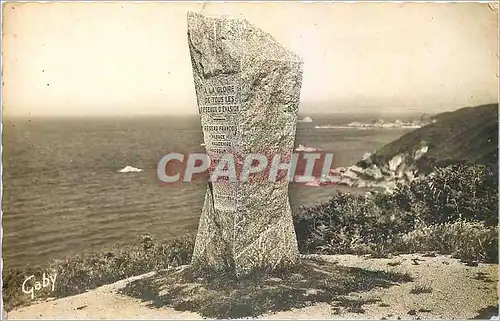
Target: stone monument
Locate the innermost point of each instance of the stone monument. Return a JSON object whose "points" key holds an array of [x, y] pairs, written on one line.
{"points": [[248, 89]]}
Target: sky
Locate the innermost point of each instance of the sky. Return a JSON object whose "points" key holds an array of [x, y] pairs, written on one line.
{"points": [[127, 58]]}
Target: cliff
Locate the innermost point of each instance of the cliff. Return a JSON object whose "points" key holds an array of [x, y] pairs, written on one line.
{"points": [[468, 136]]}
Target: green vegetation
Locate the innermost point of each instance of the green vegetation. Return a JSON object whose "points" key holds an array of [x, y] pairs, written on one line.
{"points": [[309, 282], [453, 211], [468, 135], [90, 270]]}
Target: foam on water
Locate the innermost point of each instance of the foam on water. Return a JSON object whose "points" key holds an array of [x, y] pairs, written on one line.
{"points": [[130, 169]]}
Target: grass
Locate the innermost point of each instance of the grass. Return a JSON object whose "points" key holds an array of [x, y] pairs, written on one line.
{"points": [[419, 289], [452, 212], [307, 283], [486, 313]]}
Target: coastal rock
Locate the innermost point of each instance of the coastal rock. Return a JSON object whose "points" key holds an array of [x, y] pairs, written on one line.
{"points": [[395, 162], [385, 187], [248, 89], [420, 152], [373, 173], [306, 119], [338, 170], [130, 169]]}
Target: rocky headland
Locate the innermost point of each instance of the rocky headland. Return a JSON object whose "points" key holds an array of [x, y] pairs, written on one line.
{"points": [[468, 135]]}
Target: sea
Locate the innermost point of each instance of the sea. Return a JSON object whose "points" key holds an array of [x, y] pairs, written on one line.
{"points": [[64, 193]]}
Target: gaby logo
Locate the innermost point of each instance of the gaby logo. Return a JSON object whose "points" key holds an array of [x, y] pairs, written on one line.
{"points": [[301, 167], [30, 285]]}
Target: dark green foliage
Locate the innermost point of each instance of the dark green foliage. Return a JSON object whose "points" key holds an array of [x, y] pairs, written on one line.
{"points": [[454, 211]]}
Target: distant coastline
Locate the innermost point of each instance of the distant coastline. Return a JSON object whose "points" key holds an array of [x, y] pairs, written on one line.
{"points": [[414, 124]]}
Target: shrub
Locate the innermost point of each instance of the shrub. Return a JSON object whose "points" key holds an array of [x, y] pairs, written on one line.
{"points": [[419, 289]]}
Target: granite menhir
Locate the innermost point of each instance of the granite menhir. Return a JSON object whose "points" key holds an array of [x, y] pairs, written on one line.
{"points": [[248, 91]]}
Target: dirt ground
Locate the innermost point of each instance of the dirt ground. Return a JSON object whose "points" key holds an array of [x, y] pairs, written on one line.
{"points": [[451, 290]]}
